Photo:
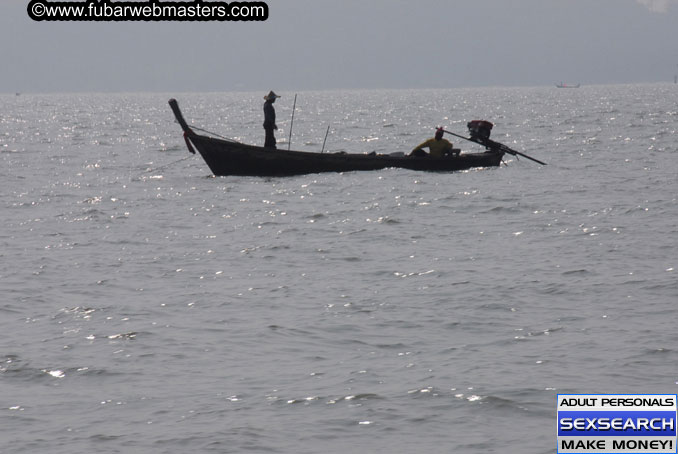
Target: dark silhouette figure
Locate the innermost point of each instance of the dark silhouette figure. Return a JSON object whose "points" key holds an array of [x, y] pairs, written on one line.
{"points": [[269, 119]]}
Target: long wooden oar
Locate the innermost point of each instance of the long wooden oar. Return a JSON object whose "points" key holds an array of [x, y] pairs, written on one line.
{"points": [[491, 144]]}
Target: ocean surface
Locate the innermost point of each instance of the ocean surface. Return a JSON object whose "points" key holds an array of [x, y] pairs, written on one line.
{"points": [[149, 307]]}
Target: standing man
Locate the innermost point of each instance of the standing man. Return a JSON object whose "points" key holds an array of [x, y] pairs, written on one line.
{"points": [[269, 119]]}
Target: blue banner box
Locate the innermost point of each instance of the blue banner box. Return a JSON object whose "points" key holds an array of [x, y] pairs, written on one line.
{"points": [[612, 423]]}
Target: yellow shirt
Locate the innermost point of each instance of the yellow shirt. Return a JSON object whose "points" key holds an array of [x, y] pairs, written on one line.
{"points": [[436, 148]]}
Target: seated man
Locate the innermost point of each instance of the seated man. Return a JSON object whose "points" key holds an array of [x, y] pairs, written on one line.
{"points": [[438, 147]]}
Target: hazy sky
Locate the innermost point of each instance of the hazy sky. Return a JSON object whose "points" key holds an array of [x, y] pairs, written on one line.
{"points": [[321, 44]]}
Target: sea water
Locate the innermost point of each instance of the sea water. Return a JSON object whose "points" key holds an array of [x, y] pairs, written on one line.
{"points": [[150, 307]]}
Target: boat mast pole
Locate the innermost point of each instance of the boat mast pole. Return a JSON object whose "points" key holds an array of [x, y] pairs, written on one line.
{"points": [[325, 141], [289, 142]]}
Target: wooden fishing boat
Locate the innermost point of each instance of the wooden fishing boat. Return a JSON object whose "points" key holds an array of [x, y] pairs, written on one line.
{"points": [[226, 157]]}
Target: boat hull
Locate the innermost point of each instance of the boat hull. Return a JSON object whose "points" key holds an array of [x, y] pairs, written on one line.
{"points": [[227, 157], [232, 158]]}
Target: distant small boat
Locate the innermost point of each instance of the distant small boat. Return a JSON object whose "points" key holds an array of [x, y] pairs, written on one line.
{"points": [[563, 85]]}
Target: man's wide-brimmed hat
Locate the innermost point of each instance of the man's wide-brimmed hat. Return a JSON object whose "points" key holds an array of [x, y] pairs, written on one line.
{"points": [[271, 96]]}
